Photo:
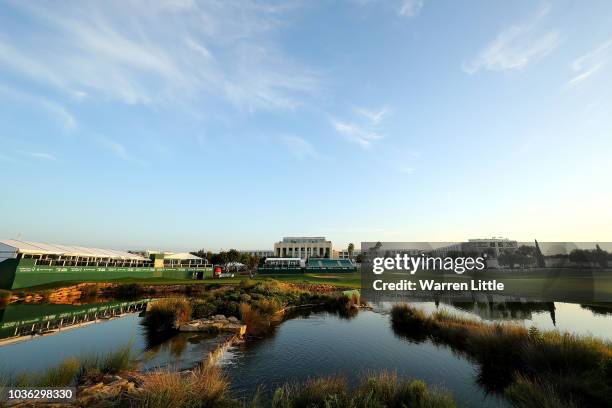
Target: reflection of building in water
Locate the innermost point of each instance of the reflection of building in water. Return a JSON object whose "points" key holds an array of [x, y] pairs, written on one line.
{"points": [[493, 246], [506, 310], [23, 321]]}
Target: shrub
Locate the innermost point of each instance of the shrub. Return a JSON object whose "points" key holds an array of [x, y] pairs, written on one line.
{"points": [[256, 323], [167, 314]]}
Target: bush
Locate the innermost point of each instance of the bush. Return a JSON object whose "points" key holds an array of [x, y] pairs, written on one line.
{"points": [[167, 314]]}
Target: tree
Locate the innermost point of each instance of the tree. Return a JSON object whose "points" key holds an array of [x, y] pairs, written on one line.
{"points": [[351, 249]]}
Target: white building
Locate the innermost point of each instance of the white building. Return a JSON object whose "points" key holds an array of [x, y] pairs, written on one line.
{"points": [[344, 254], [303, 248]]}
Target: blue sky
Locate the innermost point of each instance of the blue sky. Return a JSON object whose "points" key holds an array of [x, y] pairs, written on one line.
{"points": [[183, 124]]}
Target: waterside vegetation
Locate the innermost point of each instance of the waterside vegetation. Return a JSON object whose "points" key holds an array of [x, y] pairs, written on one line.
{"points": [[532, 368]]}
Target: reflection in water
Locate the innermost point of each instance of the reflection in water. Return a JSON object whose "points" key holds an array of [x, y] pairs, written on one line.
{"points": [[322, 343], [312, 342], [498, 311], [603, 309]]}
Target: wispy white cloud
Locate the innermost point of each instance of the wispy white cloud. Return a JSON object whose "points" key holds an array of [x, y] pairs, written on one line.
{"points": [[585, 66], [410, 8], [160, 53], [59, 111], [119, 150], [355, 133], [516, 46], [365, 129], [41, 155], [406, 169], [5, 158], [374, 116], [300, 148]]}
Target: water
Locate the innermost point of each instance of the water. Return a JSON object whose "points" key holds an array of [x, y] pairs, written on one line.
{"points": [[325, 344], [181, 351], [302, 347]]}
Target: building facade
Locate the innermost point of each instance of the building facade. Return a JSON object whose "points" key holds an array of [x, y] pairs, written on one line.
{"points": [[344, 254], [262, 253], [303, 248]]}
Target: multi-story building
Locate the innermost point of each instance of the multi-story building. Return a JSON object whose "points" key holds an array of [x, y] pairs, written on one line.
{"points": [[303, 247], [262, 253], [344, 254]]}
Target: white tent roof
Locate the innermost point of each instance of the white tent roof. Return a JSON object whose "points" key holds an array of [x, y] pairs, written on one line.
{"points": [[182, 256], [38, 248]]}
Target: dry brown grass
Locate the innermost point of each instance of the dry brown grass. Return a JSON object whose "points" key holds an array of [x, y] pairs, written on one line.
{"points": [[203, 387]]}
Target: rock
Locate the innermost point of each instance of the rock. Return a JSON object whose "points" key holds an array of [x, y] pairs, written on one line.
{"points": [[233, 319], [215, 325], [219, 317]]}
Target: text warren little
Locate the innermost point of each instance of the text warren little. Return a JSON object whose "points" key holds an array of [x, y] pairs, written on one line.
{"points": [[429, 284]]}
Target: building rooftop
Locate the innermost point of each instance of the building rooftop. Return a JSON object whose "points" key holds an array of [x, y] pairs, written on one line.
{"points": [[39, 248]]}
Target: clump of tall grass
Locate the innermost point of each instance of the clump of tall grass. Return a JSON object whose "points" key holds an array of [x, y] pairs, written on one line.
{"points": [[257, 322], [513, 358], [526, 393], [203, 387], [74, 369], [383, 389], [326, 392], [167, 314]]}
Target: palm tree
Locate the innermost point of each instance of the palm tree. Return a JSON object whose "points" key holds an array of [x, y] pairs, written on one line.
{"points": [[351, 249]]}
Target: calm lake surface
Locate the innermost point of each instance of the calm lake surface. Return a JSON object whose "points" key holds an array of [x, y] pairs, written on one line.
{"points": [[318, 343]]}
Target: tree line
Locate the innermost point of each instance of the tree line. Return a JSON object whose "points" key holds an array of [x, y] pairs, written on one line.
{"points": [[233, 255]]}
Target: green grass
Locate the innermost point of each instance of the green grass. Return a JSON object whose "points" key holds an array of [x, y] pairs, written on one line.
{"points": [[343, 280], [566, 368]]}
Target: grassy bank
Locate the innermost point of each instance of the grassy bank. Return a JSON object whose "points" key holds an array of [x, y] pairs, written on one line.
{"points": [[74, 370], [207, 387], [532, 368]]}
